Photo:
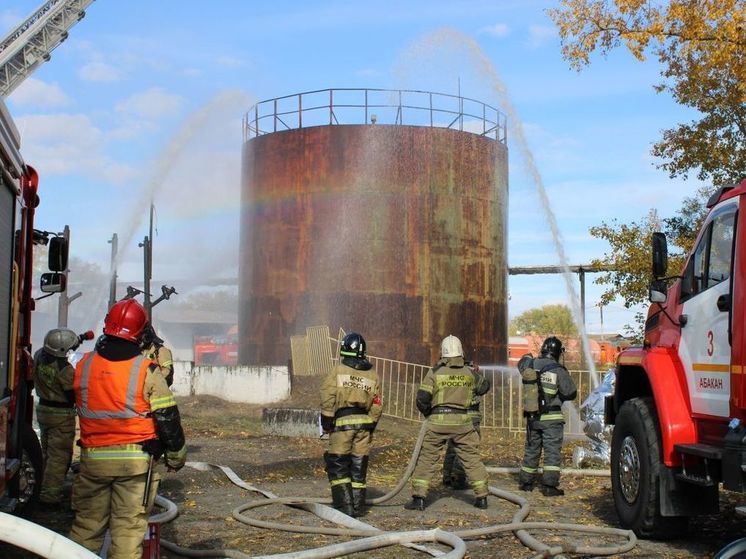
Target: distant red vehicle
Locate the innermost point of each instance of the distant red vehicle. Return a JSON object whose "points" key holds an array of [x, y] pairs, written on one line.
{"points": [[216, 350]]}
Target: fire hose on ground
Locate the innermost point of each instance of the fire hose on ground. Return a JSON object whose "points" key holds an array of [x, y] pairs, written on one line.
{"points": [[372, 537]]}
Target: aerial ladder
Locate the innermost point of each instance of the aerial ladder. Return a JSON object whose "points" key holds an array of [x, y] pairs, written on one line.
{"points": [[30, 44]]}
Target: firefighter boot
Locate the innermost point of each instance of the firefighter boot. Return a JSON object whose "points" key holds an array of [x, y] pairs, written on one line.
{"points": [[338, 471], [358, 473], [417, 503], [551, 491], [481, 502], [342, 498], [358, 501]]}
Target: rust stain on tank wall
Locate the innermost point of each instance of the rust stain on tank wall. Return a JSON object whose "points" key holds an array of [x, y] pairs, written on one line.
{"points": [[393, 231]]}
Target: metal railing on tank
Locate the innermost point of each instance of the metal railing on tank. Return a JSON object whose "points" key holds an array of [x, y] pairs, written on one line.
{"points": [[374, 106]]}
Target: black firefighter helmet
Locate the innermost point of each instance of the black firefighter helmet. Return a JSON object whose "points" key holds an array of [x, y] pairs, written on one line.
{"points": [[353, 345], [552, 347]]}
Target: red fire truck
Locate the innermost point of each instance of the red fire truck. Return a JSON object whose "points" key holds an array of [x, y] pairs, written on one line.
{"points": [[216, 350], [679, 407], [20, 452]]}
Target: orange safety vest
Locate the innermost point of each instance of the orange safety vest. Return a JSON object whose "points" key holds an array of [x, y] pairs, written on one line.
{"points": [[109, 397]]}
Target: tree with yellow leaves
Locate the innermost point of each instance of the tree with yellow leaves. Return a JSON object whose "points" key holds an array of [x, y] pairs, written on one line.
{"points": [[701, 45]]}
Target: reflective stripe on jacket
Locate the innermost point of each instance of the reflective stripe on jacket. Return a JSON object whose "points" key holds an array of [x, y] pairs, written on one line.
{"points": [[110, 401]]}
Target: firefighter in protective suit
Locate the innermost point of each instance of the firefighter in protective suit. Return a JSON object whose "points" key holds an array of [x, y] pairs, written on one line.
{"points": [[444, 398], [545, 426], [350, 410], [154, 350], [128, 419], [454, 475], [53, 382]]}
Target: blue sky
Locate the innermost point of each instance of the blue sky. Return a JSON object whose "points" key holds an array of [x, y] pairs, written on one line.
{"points": [[147, 97]]}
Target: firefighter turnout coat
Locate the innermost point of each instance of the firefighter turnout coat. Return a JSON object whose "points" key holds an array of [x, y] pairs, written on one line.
{"points": [[53, 382], [350, 398]]}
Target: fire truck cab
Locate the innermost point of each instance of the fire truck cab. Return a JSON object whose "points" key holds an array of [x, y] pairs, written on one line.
{"points": [[21, 461], [679, 406]]}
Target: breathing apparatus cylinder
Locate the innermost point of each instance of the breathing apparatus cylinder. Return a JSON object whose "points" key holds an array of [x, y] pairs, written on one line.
{"points": [[530, 381]]}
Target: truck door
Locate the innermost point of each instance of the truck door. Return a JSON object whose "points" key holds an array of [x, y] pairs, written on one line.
{"points": [[706, 292]]}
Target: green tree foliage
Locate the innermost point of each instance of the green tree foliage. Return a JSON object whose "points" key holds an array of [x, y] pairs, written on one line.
{"points": [[628, 259], [629, 255], [701, 47], [545, 321]]}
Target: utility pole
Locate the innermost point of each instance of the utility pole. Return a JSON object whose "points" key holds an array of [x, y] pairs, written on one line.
{"points": [[581, 276], [113, 269], [63, 303], [147, 246]]}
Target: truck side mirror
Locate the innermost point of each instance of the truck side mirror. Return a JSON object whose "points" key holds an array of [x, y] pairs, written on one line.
{"points": [[660, 255], [57, 260], [657, 291], [53, 282]]}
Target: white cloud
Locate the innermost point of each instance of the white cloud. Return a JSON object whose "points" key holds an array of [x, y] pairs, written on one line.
{"points": [[39, 94], [69, 144], [229, 62], [9, 19], [538, 35], [98, 71], [153, 103], [368, 73], [130, 129], [496, 30]]}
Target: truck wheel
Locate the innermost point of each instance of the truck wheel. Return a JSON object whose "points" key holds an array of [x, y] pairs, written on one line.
{"points": [[27, 484], [635, 465]]}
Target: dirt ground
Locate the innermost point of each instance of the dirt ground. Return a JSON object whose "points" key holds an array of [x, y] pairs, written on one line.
{"points": [[231, 435]]}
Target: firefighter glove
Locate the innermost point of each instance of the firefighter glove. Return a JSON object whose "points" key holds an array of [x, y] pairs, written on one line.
{"points": [[327, 423], [175, 460], [525, 361], [154, 447]]}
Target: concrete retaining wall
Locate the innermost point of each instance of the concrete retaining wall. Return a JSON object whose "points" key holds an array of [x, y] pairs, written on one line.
{"points": [[291, 422], [244, 384]]}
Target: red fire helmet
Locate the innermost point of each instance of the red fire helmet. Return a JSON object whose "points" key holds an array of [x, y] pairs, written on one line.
{"points": [[126, 319]]}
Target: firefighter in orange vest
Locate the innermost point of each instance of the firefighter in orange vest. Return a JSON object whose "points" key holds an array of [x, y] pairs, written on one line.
{"points": [[128, 419]]}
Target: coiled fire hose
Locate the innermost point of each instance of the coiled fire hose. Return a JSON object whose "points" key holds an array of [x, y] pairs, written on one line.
{"points": [[372, 537]]}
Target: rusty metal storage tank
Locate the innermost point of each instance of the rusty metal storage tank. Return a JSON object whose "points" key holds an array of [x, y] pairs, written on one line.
{"points": [[382, 212]]}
